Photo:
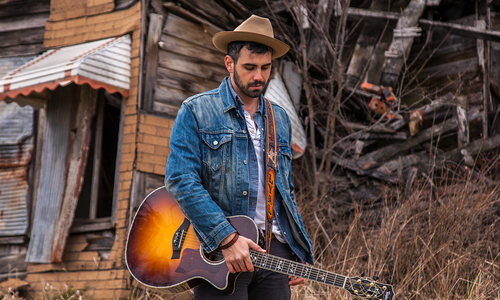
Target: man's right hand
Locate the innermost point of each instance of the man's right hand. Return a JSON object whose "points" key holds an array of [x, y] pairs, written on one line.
{"points": [[238, 255]]}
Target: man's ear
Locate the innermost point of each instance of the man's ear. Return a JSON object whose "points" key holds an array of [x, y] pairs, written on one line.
{"points": [[229, 62]]}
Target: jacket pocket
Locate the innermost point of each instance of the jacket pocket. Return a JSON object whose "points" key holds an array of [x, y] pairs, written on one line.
{"points": [[216, 149]]}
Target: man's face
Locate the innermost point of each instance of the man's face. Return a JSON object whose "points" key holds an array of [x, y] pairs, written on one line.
{"points": [[250, 73]]}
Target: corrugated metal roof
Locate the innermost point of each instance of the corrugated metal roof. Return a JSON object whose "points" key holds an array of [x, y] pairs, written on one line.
{"points": [[16, 149], [277, 92], [101, 64]]}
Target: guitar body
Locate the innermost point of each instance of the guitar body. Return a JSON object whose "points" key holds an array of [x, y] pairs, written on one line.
{"points": [[164, 253]]}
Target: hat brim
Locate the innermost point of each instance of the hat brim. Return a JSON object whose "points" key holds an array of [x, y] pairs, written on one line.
{"points": [[222, 39]]}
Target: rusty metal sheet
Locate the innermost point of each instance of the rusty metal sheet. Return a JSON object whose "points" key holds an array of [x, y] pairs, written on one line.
{"points": [[13, 207], [16, 123], [16, 149]]}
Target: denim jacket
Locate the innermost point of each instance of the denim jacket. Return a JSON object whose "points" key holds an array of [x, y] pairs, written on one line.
{"points": [[207, 171]]}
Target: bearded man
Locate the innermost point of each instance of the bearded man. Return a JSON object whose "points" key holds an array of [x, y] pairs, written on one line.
{"points": [[217, 166]]}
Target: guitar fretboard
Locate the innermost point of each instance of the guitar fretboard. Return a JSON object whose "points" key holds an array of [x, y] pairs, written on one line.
{"points": [[285, 266]]}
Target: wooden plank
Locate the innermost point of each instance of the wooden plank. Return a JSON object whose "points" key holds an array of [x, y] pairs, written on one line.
{"points": [[238, 8], [463, 30], [77, 162], [151, 60], [176, 45], [192, 65], [211, 11], [382, 154], [50, 192], [116, 183], [23, 7], [365, 46], [167, 109], [189, 31], [12, 51], [96, 169], [483, 58], [22, 37], [23, 22], [374, 136], [456, 67], [171, 96], [463, 127], [173, 7], [401, 44], [187, 82]]}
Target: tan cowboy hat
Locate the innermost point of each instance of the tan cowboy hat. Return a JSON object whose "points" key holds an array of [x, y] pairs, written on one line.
{"points": [[254, 29]]}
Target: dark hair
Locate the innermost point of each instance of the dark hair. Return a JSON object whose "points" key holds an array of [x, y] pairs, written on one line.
{"points": [[234, 48]]}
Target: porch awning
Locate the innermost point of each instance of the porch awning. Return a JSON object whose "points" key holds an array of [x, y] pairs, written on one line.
{"points": [[101, 64]]}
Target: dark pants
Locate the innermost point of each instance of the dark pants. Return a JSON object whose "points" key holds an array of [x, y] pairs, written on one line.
{"points": [[257, 285]]}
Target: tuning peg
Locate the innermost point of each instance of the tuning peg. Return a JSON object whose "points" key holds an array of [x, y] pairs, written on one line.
{"points": [[362, 274], [375, 277]]}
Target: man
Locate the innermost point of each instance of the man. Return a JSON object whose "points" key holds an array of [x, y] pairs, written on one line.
{"points": [[217, 163]]}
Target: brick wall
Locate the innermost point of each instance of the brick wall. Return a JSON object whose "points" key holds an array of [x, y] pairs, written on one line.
{"points": [[74, 22], [153, 144]]}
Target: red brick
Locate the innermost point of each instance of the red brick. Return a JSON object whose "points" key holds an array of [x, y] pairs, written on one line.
{"points": [[68, 276], [145, 148], [126, 166], [71, 256], [74, 39], [89, 256], [165, 132], [104, 294], [55, 25], [57, 16], [159, 169], [145, 167], [79, 12], [80, 22], [128, 138]]}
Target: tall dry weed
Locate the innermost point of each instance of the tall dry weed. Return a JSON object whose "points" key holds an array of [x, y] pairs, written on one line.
{"points": [[436, 242]]}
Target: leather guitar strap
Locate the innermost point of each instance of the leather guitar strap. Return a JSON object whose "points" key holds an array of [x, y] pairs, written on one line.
{"points": [[270, 172]]}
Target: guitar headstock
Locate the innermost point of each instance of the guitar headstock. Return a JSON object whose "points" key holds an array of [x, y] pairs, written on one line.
{"points": [[365, 288]]}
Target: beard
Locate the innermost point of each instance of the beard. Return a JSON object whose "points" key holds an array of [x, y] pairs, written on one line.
{"points": [[246, 89]]}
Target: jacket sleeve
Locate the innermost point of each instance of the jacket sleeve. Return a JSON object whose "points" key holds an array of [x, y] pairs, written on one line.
{"points": [[183, 181]]}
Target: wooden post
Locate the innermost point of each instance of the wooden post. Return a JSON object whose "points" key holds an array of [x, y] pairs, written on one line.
{"points": [[401, 44], [463, 127], [481, 24], [154, 35], [94, 193]]}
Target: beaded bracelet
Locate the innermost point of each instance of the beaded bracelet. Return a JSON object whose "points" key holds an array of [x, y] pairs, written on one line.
{"points": [[231, 242]]}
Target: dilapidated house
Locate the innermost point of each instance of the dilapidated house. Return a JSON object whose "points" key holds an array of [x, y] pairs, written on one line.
{"points": [[94, 87]]}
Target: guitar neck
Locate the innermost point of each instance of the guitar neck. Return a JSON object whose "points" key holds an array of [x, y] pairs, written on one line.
{"points": [[285, 266]]}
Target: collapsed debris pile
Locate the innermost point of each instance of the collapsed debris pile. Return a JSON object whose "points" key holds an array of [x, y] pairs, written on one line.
{"points": [[388, 91]]}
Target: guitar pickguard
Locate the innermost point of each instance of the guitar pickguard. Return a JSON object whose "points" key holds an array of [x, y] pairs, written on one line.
{"points": [[191, 260]]}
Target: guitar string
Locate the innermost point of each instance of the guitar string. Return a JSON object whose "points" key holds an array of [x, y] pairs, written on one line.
{"points": [[285, 266]]}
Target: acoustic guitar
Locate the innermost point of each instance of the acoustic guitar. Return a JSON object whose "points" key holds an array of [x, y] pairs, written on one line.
{"points": [[164, 253]]}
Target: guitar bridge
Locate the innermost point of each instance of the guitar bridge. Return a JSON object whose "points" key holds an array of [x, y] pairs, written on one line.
{"points": [[178, 238]]}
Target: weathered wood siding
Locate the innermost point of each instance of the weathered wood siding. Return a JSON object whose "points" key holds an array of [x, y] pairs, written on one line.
{"points": [[188, 64], [22, 27]]}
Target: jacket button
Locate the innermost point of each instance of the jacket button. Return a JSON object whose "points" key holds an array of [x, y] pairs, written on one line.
{"points": [[245, 193], [244, 131], [245, 161], [215, 143]]}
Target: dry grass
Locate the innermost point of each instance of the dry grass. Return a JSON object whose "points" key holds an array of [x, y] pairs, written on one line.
{"points": [[437, 243]]}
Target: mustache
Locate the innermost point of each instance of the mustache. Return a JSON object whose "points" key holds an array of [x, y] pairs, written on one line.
{"points": [[256, 83]]}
